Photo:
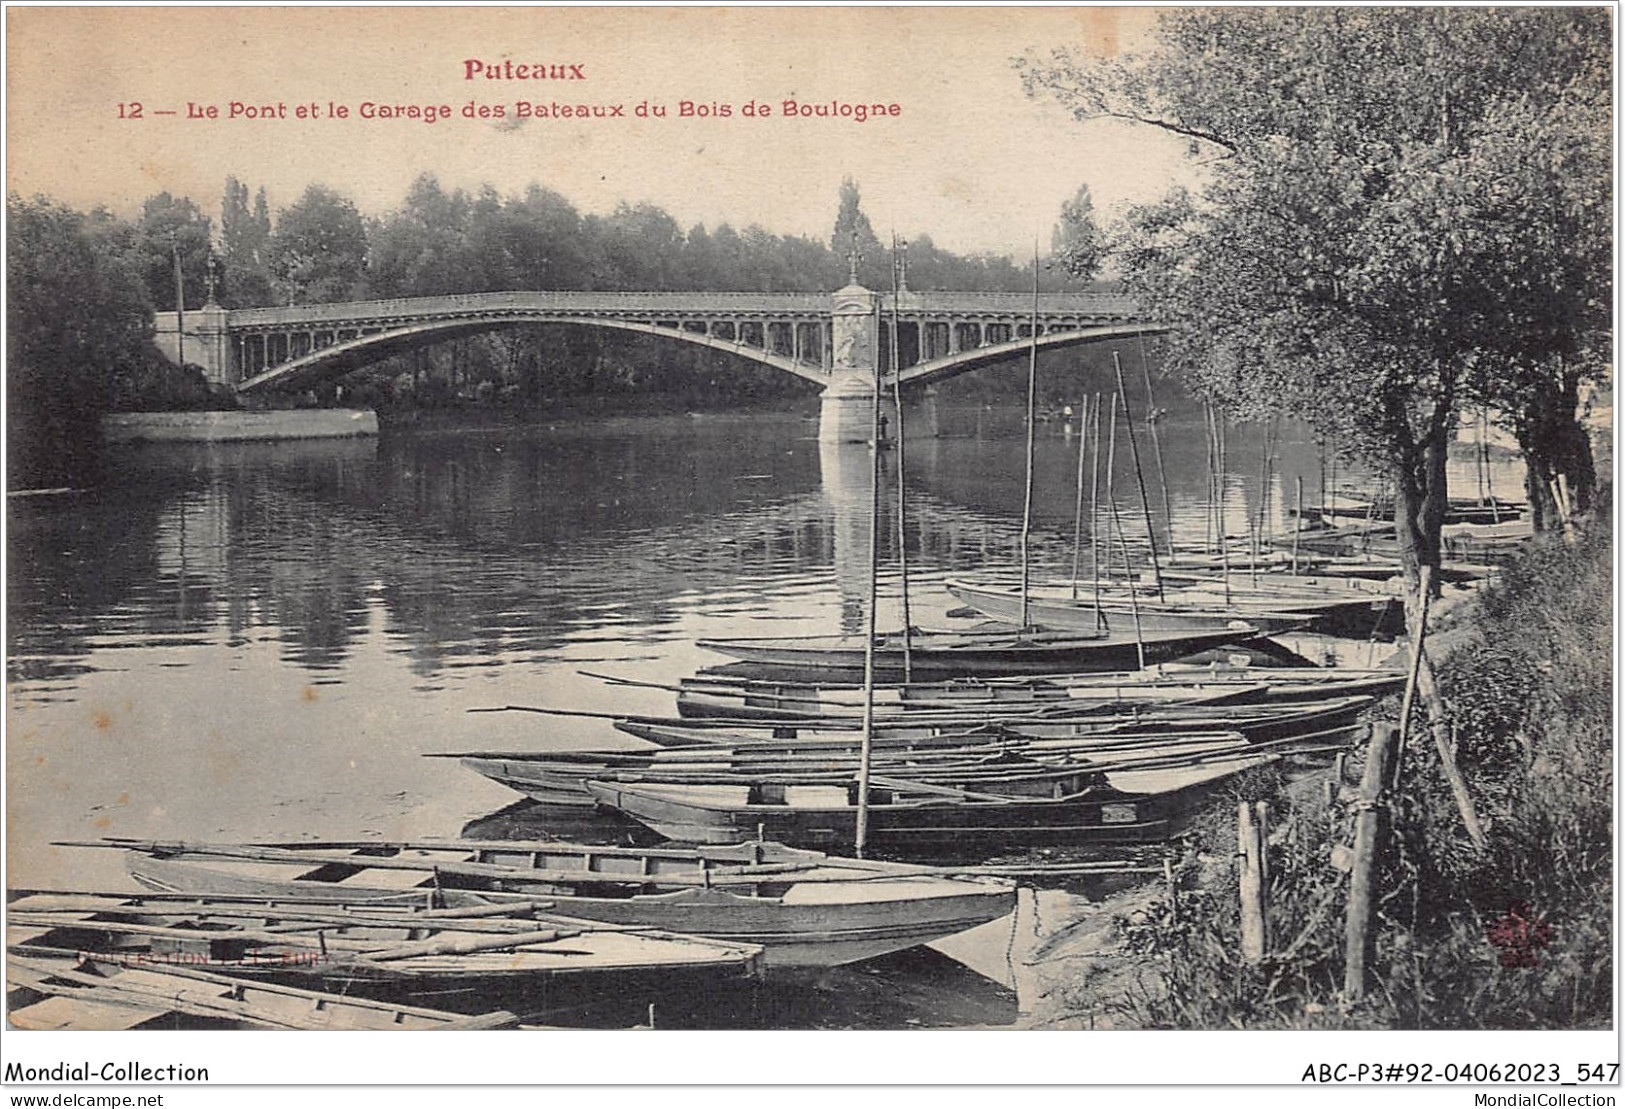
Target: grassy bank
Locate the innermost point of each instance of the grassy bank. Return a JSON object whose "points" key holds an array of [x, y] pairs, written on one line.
{"points": [[1514, 934]]}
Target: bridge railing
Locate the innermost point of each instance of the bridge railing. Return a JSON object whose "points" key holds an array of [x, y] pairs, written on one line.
{"points": [[658, 304], [541, 301], [1108, 305]]}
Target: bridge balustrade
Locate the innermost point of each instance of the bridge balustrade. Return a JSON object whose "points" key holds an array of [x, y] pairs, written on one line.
{"points": [[252, 347]]}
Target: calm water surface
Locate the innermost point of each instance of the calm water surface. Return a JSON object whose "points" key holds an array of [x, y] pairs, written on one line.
{"points": [[261, 641]]}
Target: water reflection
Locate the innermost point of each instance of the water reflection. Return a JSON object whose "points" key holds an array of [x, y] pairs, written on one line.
{"points": [[259, 641]]}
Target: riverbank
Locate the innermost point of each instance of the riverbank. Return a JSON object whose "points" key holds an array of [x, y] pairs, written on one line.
{"points": [[1515, 932], [236, 427]]}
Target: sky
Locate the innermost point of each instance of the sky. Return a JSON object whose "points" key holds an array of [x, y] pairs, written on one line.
{"points": [[968, 159]]}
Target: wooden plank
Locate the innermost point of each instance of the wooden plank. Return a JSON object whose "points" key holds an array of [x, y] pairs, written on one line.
{"points": [[1362, 879], [197, 992], [58, 1013]]}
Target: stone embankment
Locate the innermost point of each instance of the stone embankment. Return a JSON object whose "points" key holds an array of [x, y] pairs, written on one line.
{"points": [[227, 427]]}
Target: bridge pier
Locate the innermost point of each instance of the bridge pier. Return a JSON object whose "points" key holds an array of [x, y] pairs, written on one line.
{"points": [[206, 343], [928, 420], [847, 412]]}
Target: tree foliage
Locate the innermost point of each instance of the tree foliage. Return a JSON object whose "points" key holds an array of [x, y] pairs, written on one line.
{"points": [[77, 317], [85, 287], [171, 228], [1380, 240], [1078, 244], [245, 247], [854, 235], [318, 251]]}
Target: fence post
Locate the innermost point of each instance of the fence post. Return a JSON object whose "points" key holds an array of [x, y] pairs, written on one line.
{"points": [[1367, 829], [1252, 902], [1261, 834]]}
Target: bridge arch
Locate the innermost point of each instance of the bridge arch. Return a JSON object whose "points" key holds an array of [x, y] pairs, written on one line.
{"points": [[350, 355], [952, 365]]}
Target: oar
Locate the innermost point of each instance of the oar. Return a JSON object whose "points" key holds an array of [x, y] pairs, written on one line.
{"points": [[38, 974], [942, 791], [698, 877], [470, 946]]}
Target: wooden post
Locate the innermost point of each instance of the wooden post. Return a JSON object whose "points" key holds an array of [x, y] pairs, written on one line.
{"points": [[1297, 529], [1367, 828], [1421, 679], [1444, 745], [1261, 833], [1252, 903], [1173, 888], [1418, 637]]}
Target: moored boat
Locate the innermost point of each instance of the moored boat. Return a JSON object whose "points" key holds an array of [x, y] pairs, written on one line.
{"points": [[833, 760], [1056, 607], [927, 706], [960, 654], [1132, 806], [802, 908], [468, 959], [83, 991], [1272, 602]]}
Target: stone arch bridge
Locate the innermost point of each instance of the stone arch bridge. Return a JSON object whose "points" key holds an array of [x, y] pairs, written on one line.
{"points": [[829, 339]]}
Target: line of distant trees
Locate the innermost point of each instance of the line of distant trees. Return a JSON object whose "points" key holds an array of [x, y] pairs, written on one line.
{"points": [[85, 287]]}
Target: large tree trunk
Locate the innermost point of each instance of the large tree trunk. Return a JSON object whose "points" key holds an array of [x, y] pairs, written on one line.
{"points": [[1421, 494], [1555, 445]]}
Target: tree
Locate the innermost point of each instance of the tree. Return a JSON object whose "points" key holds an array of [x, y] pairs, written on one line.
{"points": [[77, 318], [171, 227], [245, 241], [1375, 243], [319, 248], [853, 232], [1078, 244], [642, 247], [423, 248]]}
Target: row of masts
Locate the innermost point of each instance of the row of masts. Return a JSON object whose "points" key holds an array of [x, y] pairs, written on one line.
{"points": [[1260, 531], [899, 445]]}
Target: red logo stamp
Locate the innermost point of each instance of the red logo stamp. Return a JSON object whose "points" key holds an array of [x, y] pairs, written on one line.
{"points": [[1519, 934]]}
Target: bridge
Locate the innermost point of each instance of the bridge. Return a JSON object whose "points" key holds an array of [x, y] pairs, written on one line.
{"points": [[829, 339]]}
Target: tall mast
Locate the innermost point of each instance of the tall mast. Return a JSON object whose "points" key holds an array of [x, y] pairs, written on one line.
{"points": [[1152, 419], [1027, 501], [902, 499], [1139, 476], [866, 750], [1077, 510], [1094, 514], [1128, 573]]}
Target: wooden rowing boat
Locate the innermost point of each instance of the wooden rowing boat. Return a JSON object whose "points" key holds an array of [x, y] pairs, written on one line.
{"points": [[1131, 806], [470, 959], [81, 991], [801, 908], [1273, 603], [714, 697], [1257, 722], [833, 759], [1057, 608], [959, 654]]}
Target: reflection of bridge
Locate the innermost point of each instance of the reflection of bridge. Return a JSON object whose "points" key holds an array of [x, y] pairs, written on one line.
{"points": [[814, 336]]}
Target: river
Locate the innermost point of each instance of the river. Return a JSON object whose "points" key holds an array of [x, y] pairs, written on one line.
{"points": [[261, 641]]}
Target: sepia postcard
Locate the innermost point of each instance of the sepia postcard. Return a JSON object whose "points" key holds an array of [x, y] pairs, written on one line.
{"points": [[952, 546]]}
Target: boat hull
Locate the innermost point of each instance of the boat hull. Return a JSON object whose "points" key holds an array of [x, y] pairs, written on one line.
{"points": [[808, 923], [1104, 817], [951, 656], [1062, 612], [1273, 608]]}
